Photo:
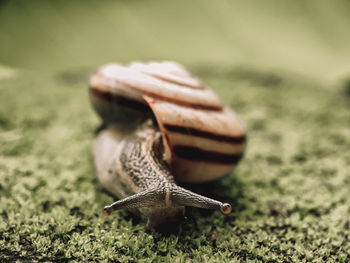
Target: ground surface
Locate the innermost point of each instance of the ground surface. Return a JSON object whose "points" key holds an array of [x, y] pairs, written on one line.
{"points": [[290, 193]]}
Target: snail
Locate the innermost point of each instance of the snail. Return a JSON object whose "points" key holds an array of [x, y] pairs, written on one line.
{"points": [[161, 126]]}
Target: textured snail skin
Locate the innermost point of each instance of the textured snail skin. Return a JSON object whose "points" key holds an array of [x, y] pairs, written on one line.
{"points": [[134, 164], [158, 130], [135, 167]]}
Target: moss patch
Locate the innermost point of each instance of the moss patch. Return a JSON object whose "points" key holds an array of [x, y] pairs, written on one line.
{"points": [[289, 194]]}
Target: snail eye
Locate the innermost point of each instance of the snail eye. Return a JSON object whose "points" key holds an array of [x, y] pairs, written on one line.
{"points": [[226, 208]]}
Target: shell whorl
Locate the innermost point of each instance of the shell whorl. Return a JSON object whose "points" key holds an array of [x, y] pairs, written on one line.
{"points": [[202, 138], [115, 88]]}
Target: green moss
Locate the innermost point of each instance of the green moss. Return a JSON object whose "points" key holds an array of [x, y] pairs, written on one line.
{"points": [[290, 193]]}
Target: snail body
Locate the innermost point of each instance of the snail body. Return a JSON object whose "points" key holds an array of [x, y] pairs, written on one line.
{"points": [[161, 126]]}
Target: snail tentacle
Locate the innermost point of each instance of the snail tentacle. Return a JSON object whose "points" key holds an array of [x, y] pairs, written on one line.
{"points": [[178, 196], [184, 197], [149, 197]]}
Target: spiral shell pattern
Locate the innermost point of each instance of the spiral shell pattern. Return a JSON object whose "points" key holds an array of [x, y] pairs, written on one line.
{"points": [[202, 138]]}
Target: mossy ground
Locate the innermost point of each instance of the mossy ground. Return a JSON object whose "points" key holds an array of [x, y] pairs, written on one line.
{"points": [[290, 193]]}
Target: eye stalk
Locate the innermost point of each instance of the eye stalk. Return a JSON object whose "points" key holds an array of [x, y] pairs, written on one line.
{"points": [[177, 196]]}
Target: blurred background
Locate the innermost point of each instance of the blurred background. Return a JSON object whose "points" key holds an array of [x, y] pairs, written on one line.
{"points": [[308, 37]]}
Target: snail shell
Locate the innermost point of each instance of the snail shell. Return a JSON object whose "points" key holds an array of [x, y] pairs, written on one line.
{"points": [[162, 126]]}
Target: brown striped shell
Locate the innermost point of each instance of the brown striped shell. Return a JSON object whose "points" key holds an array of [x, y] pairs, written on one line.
{"points": [[203, 139]]}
